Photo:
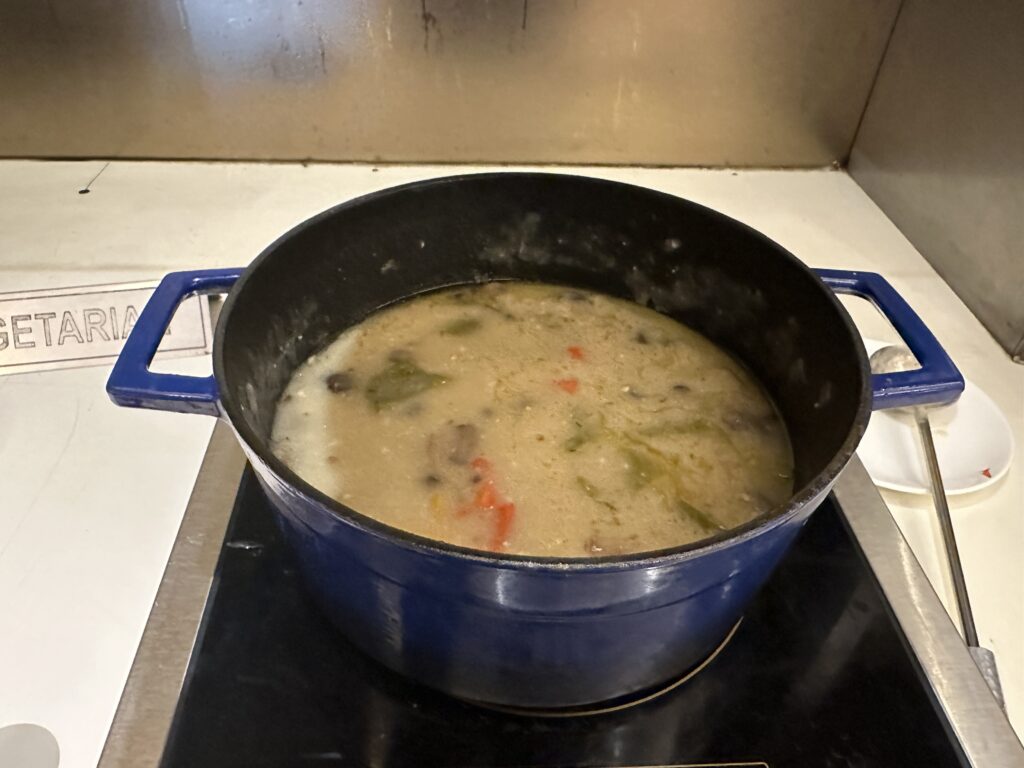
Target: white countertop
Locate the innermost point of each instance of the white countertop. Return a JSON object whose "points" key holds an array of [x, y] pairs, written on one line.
{"points": [[91, 495]]}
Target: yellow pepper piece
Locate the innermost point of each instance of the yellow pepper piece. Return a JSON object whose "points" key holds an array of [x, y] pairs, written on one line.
{"points": [[436, 506]]}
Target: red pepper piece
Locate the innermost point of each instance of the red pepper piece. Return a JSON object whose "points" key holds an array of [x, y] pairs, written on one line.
{"points": [[576, 353], [569, 385], [485, 496], [503, 525], [488, 499], [986, 472]]}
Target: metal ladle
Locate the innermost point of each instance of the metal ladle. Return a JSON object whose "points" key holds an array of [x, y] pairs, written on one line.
{"points": [[892, 359]]}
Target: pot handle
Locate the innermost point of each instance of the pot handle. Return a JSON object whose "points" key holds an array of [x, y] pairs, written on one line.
{"points": [[937, 381], [132, 384]]}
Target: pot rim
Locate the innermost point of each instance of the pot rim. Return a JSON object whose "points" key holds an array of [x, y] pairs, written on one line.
{"points": [[762, 523]]}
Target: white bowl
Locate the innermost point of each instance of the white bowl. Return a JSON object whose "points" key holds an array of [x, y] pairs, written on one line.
{"points": [[973, 442]]}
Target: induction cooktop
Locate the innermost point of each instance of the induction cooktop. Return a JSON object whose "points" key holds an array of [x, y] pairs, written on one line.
{"points": [[825, 669]]}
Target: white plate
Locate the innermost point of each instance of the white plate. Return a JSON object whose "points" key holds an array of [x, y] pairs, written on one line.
{"points": [[973, 442]]}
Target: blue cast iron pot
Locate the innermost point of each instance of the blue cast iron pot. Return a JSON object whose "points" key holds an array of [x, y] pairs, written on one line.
{"points": [[506, 629]]}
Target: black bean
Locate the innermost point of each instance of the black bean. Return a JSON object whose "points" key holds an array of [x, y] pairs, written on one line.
{"points": [[432, 479], [455, 444], [476, 479], [680, 388], [641, 338], [340, 382], [467, 438]]}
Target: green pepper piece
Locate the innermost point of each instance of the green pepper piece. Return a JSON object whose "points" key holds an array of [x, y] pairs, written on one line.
{"points": [[400, 380], [587, 486], [692, 426], [641, 469], [699, 516], [461, 326], [591, 490], [577, 440], [586, 427]]}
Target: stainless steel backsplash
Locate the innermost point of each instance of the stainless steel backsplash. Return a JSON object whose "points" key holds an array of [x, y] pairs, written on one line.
{"points": [[660, 82], [941, 150]]}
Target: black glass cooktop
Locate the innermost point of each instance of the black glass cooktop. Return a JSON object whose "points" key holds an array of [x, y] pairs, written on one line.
{"points": [[818, 674]]}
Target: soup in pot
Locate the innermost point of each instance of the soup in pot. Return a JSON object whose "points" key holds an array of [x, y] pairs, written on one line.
{"points": [[534, 419]]}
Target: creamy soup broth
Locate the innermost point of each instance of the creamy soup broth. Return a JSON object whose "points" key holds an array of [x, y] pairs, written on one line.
{"points": [[534, 419]]}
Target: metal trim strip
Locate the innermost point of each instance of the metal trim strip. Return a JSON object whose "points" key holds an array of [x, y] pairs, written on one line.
{"points": [[143, 717], [974, 716]]}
